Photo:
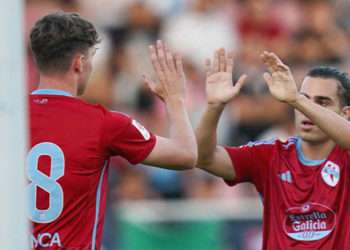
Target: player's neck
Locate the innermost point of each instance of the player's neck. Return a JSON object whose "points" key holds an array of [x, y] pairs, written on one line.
{"points": [[58, 82], [317, 151]]}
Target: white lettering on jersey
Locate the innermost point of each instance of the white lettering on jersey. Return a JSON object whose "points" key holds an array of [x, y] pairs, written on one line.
{"points": [[56, 240], [144, 132], [309, 222], [309, 225], [46, 240]]}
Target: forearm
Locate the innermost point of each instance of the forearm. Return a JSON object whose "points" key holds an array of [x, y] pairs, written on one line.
{"points": [[334, 125], [181, 131], [206, 134]]}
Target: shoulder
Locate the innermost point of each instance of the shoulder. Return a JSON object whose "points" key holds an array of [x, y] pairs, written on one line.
{"points": [[90, 107], [116, 118], [254, 148], [118, 123], [263, 143], [290, 143], [270, 144], [66, 104], [340, 151], [100, 110]]}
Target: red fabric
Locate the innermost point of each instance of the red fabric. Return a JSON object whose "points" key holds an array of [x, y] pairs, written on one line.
{"points": [[87, 135], [270, 29], [301, 210]]}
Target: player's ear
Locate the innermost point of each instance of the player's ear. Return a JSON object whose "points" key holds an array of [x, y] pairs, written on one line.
{"points": [[78, 63], [346, 112]]}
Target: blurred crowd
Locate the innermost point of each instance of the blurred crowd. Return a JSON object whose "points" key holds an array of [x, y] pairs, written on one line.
{"points": [[304, 33]]}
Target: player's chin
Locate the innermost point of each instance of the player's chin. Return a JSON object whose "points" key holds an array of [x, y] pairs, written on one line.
{"points": [[81, 89], [313, 137]]}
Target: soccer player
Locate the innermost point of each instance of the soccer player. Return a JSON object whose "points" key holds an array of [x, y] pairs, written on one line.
{"points": [[71, 140], [304, 182]]}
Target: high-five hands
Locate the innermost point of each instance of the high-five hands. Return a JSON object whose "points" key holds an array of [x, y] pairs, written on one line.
{"points": [[280, 80], [219, 87], [169, 71]]}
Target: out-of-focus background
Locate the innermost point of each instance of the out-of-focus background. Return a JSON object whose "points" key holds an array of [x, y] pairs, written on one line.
{"points": [[149, 208]]}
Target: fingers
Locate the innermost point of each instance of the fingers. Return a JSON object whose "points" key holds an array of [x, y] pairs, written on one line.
{"points": [[208, 68], [161, 55], [239, 84], [169, 70], [268, 78], [149, 83], [269, 61], [169, 58], [273, 62], [222, 60], [152, 86], [229, 62], [216, 66], [164, 60], [156, 63], [179, 64]]}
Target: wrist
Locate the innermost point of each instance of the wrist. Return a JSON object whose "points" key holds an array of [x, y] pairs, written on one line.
{"points": [[216, 106], [298, 99], [175, 100]]}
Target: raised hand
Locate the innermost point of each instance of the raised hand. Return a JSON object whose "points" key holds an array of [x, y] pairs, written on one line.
{"points": [[169, 71], [219, 87], [280, 80]]}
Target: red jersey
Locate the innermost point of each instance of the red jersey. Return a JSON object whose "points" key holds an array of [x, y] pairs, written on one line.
{"points": [[306, 203], [71, 142]]}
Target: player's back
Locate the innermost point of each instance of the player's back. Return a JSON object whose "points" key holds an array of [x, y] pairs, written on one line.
{"points": [[67, 172]]}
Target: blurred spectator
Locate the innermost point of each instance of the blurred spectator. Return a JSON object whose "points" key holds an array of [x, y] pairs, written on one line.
{"points": [[320, 40], [201, 29], [281, 130], [169, 184], [253, 239], [200, 185], [261, 29], [132, 184], [342, 8]]}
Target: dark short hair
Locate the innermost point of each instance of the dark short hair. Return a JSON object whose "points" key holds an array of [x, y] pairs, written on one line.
{"points": [[328, 72], [57, 37]]}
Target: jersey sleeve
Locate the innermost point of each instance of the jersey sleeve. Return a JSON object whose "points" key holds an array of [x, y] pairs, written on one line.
{"points": [[124, 136], [251, 162]]}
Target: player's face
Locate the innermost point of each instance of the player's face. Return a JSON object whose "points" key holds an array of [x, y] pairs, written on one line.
{"points": [[86, 72], [322, 92]]}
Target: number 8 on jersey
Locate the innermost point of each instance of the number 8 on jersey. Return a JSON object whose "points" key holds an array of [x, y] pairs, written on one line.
{"points": [[47, 183]]}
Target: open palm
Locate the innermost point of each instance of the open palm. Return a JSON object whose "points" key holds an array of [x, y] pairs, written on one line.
{"points": [[219, 87], [169, 71], [280, 80]]}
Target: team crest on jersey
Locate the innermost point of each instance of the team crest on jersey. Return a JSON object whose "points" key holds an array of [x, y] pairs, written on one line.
{"points": [[144, 132], [309, 222], [331, 173]]}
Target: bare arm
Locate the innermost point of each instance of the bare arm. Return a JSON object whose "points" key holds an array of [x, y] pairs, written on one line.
{"points": [[212, 157], [334, 125], [220, 90], [282, 86], [179, 151]]}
